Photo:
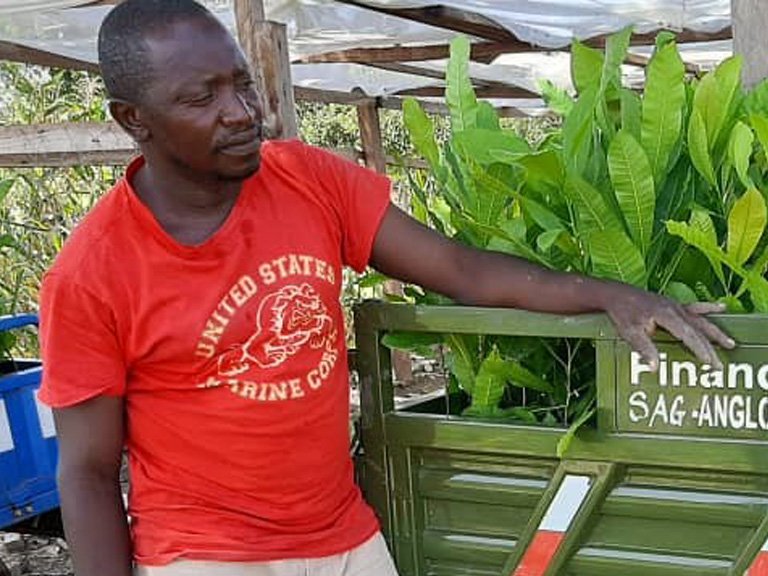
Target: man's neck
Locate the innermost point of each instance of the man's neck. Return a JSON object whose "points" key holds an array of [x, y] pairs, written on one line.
{"points": [[190, 209]]}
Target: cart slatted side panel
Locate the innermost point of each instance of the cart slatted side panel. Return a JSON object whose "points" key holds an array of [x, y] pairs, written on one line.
{"points": [[672, 480], [672, 523], [471, 510]]}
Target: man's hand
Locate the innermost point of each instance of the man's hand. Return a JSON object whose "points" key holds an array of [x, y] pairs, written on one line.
{"points": [[637, 314]]}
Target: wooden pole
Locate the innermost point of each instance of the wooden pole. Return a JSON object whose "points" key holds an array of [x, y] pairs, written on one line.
{"points": [[376, 159], [370, 135], [750, 22], [265, 44]]}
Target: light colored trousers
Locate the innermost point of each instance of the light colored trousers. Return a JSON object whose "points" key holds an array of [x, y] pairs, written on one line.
{"points": [[369, 559]]}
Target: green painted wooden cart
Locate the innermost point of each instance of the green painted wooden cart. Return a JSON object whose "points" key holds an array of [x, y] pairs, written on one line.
{"points": [[672, 481]]}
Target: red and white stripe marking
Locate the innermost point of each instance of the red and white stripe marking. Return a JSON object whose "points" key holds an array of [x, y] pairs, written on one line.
{"points": [[562, 510], [760, 565]]}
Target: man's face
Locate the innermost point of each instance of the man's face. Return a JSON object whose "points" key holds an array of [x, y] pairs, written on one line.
{"points": [[201, 109]]}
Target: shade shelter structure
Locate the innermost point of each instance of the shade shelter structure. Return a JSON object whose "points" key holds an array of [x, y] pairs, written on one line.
{"points": [[374, 53]]}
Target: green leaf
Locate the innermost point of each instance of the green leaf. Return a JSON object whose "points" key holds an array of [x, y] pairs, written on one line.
{"points": [[746, 225], [616, 47], [758, 291], [565, 442], [540, 214], [633, 185], [544, 172], [465, 348], [733, 305], [518, 375], [5, 188], [521, 414], [491, 195], [714, 96], [459, 93], [594, 213], [578, 129], [663, 105], [699, 148], [487, 117], [372, 279], [681, 292], [505, 238], [615, 257], [461, 367], [490, 146], [760, 125], [663, 38], [490, 382], [701, 223], [422, 132], [556, 99], [701, 235], [631, 113], [756, 101], [8, 241], [547, 239], [410, 340], [740, 151], [586, 66], [701, 240]]}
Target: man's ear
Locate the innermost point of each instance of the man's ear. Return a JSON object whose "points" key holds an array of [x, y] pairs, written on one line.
{"points": [[129, 118]]}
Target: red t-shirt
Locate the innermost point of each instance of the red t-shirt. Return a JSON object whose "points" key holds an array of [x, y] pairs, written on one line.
{"points": [[230, 356]]}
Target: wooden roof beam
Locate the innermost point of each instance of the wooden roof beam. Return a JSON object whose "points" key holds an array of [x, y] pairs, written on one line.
{"points": [[65, 145], [388, 102], [445, 17], [484, 52], [26, 55], [487, 92], [681, 36], [440, 75], [643, 61]]}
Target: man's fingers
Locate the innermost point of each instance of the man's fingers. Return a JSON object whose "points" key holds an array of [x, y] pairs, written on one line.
{"points": [[689, 335], [641, 342], [705, 307], [711, 331]]}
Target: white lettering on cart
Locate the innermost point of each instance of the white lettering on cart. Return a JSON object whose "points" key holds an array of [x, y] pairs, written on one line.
{"points": [[6, 439]]}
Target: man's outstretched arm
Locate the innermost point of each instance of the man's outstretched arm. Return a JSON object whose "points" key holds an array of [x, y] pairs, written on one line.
{"points": [[409, 251], [90, 437]]}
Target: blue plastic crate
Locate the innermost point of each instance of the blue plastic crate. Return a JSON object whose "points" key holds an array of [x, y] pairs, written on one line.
{"points": [[28, 450]]}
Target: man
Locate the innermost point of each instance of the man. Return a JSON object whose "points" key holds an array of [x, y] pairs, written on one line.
{"points": [[194, 318]]}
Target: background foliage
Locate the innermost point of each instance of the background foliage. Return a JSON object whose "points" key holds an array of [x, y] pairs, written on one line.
{"points": [[663, 189]]}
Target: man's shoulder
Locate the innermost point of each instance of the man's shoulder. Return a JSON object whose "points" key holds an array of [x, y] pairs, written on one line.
{"points": [[96, 236], [300, 156], [282, 154]]}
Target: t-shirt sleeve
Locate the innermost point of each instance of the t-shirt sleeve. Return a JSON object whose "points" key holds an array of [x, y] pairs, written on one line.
{"points": [[362, 197], [80, 350]]}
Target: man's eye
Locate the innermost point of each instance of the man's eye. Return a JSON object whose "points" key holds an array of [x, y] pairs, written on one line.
{"points": [[200, 99]]}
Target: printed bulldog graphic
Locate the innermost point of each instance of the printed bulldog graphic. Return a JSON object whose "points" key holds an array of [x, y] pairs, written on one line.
{"points": [[287, 320]]}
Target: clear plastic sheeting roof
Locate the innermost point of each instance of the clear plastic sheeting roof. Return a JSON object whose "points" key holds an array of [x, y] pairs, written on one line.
{"points": [[321, 26], [553, 23], [19, 6]]}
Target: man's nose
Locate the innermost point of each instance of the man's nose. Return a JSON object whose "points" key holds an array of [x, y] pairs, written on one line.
{"points": [[238, 110]]}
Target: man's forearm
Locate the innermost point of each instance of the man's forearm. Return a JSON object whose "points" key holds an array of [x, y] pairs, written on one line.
{"points": [[497, 279], [96, 525]]}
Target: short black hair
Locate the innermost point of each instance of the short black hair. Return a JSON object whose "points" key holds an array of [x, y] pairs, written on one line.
{"points": [[123, 50]]}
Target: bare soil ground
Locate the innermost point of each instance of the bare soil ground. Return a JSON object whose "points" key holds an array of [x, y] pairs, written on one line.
{"points": [[34, 556]]}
